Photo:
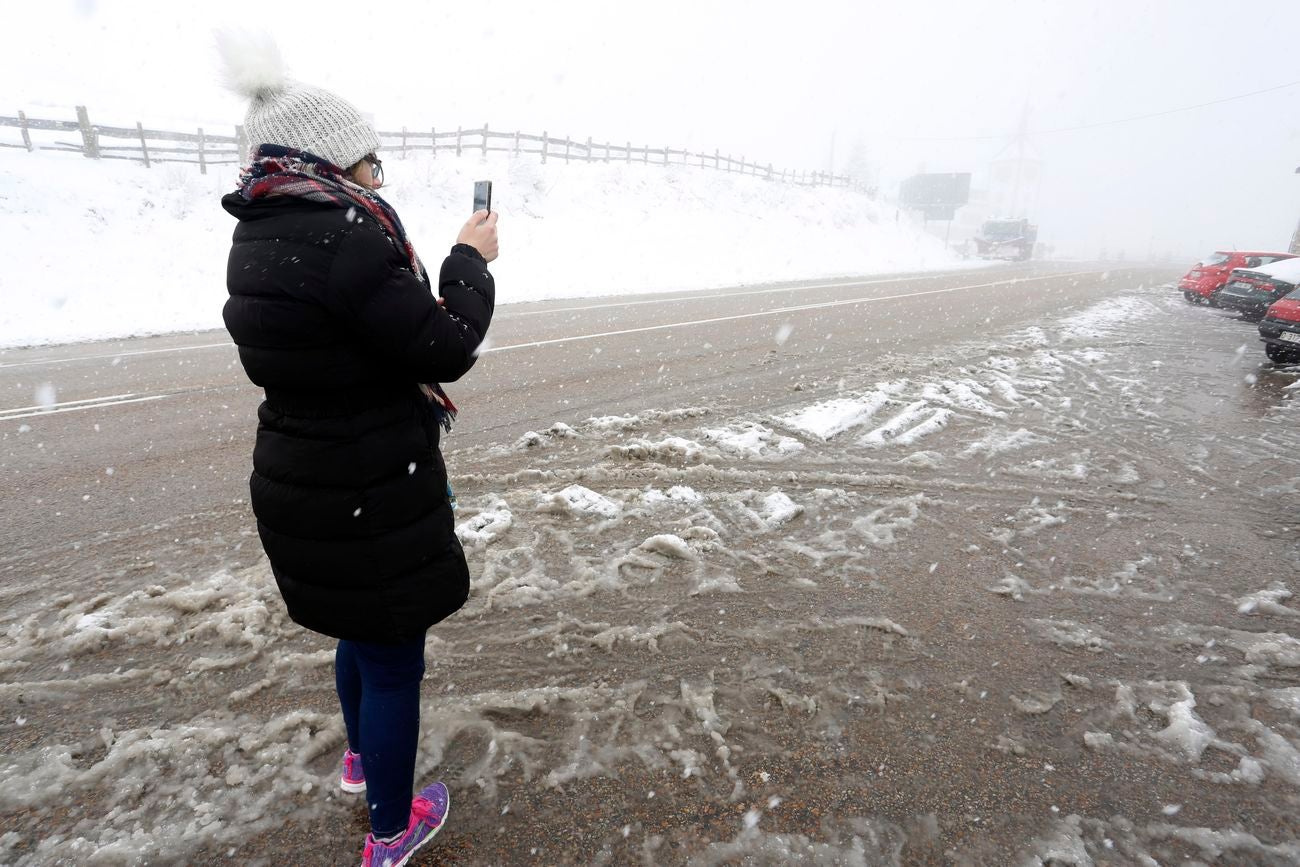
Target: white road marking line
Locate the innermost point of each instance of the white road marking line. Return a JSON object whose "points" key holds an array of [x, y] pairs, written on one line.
{"points": [[852, 284], [72, 358], [50, 406], [779, 310], [85, 406]]}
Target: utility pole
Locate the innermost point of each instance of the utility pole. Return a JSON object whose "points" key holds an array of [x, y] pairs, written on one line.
{"points": [[1295, 236], [1014, 160], [1022, 139]]}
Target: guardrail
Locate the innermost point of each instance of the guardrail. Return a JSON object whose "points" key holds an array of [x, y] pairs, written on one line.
{"points": [[201, 148]]}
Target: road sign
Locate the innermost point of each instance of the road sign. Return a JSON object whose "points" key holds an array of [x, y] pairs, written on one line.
{"points": [[945, 191]]}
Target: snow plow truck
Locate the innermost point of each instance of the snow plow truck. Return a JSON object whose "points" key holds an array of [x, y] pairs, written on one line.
{"points": [[1006, 239]]}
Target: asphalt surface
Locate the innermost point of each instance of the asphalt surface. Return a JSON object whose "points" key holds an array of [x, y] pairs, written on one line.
{"points": [[1017, 636]]}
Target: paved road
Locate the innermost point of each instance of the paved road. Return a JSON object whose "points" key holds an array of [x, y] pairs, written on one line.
{"points": [[132, 450], [1029, 603]]}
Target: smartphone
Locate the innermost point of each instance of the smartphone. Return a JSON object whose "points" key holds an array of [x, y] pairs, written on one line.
{"points": [[482, 196]]}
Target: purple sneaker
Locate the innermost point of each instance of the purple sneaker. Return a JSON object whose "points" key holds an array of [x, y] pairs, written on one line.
{"points": [[353, 779], [428, 812]]}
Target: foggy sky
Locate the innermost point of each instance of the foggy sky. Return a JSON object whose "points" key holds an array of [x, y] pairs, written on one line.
{"points": [[773, 81]]}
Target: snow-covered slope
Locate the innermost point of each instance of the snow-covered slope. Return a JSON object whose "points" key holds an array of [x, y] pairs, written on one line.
{"points": [[113, 249]]}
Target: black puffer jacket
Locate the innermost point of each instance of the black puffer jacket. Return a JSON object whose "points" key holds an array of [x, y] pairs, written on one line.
{"points": [[348, 484]]}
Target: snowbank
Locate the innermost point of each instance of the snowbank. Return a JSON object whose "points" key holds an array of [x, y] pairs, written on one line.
{"points": [[111, 249]]}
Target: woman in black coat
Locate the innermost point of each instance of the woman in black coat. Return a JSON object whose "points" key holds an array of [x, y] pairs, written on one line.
{"points": [[335, 317]]}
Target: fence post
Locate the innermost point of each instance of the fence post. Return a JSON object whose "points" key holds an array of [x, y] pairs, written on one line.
{"points": [[22, 125], [665, 154], [144, 148], [716, 156], [485, 136], [588, 148], [629, 152], [567, 143], [203, 160], [606, 150], [241, 142], [516, 142], [433, 141], [769, 171], [403, 142], [458, 136], [545, 141], [89, 140]]}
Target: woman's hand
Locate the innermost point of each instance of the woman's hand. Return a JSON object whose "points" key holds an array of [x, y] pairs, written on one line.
{"points": [[481, 234]]}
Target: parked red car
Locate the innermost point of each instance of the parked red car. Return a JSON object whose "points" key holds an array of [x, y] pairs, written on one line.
{"points": [[1208, 275], [1280, 329]]}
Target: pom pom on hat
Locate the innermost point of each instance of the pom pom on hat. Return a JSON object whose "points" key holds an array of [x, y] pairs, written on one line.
{"points": [[252, 65]]}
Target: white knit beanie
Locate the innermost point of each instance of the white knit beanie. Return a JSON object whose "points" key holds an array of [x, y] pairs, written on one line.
{"points": [[285, 112]]}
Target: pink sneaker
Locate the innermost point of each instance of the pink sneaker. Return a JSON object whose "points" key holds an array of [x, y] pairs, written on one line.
{"points": [[428, 812], [353, 779]]}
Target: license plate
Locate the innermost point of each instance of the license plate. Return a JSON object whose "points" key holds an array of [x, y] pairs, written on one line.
{"points": [[1290, 336]]}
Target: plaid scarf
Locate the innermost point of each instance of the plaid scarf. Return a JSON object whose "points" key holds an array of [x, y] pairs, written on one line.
{"points": [[276, 170]]}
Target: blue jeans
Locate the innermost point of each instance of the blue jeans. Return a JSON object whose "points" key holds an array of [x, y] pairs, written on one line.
{"points": [[379, 691]]}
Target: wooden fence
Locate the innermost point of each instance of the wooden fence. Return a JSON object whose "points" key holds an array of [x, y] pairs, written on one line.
{"points": [[149, 146], [485, 140], [204, 149]]}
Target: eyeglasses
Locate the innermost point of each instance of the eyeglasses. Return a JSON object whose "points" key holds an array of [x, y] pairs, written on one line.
{"points": [[376, 168]]}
